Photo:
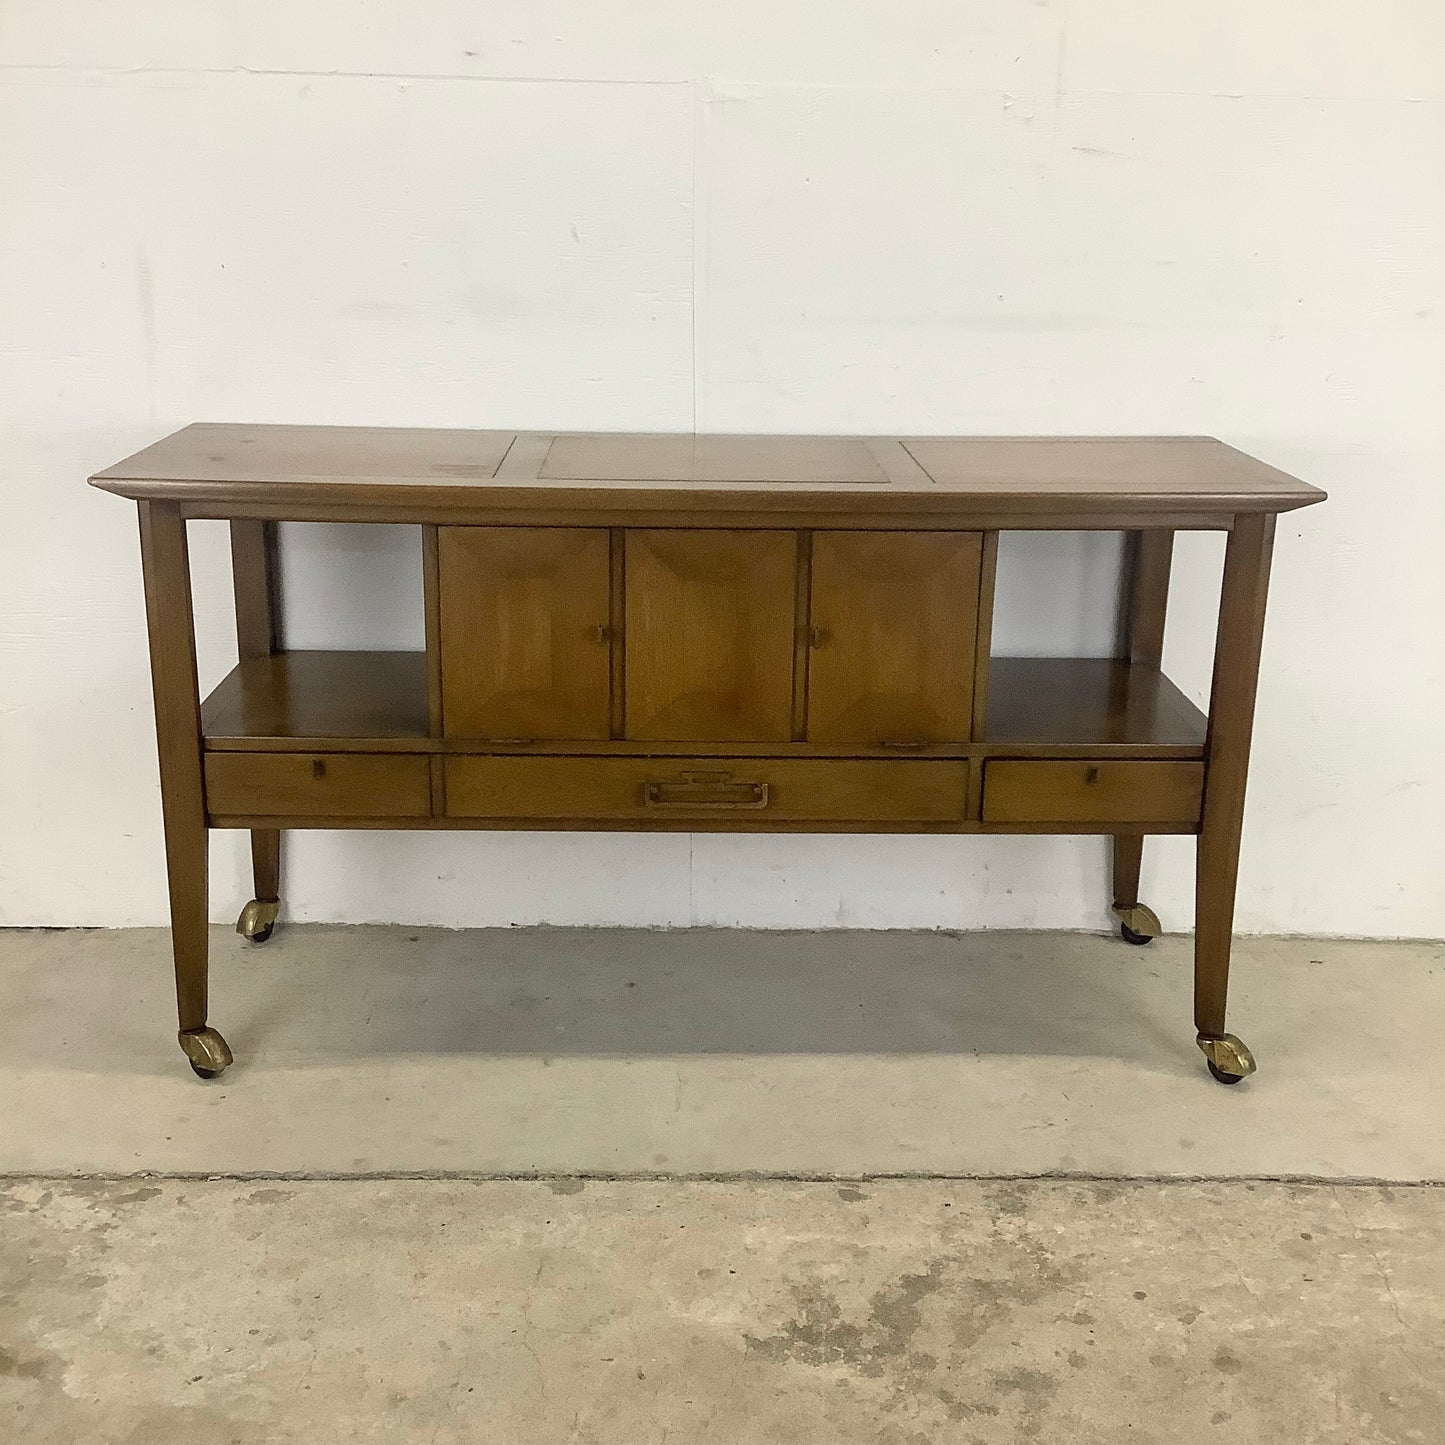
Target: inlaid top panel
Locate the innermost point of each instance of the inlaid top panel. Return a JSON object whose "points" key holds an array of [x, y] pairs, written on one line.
{"points": [[622, 458], [396, 474]]}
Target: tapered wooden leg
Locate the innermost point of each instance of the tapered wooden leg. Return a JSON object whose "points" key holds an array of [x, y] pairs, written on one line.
{"points": [[166, 571], [1231, 720], [1138, 924], [1148, 560], [1128, 861], [256, 582], [258, 917]]}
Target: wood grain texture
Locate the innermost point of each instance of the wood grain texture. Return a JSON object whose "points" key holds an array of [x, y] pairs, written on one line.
{"points": [[331, 785], [710, 634], [1149, 560], [619, 457], [256, 583], [1090, 700], [370, 701], [321, 694], [165, 567], [1237, 648], [731, 792], [1102, 791], [526, 632], [893, 623], [389, 474]]}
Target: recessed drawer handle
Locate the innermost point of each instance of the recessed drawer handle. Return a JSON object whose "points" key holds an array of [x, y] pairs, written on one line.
{"points": [[705, 790], [318, 768]]}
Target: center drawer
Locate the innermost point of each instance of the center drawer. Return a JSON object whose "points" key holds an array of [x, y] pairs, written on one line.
{"points": [[657, 790]]}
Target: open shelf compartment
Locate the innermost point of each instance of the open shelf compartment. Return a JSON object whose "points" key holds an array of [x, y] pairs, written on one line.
{"points": [[377, 702]]}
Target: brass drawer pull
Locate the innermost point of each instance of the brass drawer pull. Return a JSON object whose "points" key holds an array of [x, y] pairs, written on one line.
{"points": [[705, 790]]}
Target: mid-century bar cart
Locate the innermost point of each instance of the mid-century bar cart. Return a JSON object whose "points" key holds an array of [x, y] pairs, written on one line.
{"points": [[689, 633]]}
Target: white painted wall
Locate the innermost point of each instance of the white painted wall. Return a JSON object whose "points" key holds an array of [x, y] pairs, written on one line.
{"points": [[1013, 216]]}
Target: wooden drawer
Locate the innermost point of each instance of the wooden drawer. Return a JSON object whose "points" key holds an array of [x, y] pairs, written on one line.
{"points": [[317, 785], [726, 791], [1092, 792]]}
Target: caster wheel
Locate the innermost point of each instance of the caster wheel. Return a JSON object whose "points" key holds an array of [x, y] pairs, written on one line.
{"points": [[1221, 1075], [1229, 1058], [258, 919], [1138, 925], [208, 1052]]}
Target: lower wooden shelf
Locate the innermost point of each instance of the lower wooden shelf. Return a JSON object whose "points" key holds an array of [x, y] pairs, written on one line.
{"points": [[376, 702]]}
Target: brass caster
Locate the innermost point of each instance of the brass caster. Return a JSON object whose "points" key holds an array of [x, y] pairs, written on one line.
{"points": [[208, 1052], [1229, 1058], [1138, 925], [257, 919]]}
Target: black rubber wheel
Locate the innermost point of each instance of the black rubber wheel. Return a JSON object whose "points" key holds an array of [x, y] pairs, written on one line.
{"points": [[264, 934], [1221, 1075], [1129, 936], [201, 1073]]}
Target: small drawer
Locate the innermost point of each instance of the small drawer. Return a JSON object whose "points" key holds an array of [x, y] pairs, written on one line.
{"points": [[732, 792], [317, 785], [1092, 792]]}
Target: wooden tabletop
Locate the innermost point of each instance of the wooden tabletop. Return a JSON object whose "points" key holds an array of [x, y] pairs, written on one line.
{"points": [[224, 469]]}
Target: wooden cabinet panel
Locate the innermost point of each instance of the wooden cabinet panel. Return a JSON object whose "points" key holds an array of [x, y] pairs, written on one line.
{"points": [[893, 632], [722, 792], [1092, 792], [525, 627], [710, 634], [317, 785]]}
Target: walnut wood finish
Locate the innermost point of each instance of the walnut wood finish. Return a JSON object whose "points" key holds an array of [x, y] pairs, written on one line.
{"points": [[701, 571], [165, 566], [1148, 558], [526, 628], [1080, 791], [893, 625], [386, 474], [318, 785], [710, 635], [707, 792], [376, 702], [1231, 717], [1092, 706], [256, 582], [376, 698]]}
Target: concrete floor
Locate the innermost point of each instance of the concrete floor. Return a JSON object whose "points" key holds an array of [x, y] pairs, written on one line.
{"points": [[153, 1310], [902, 1313], [403, 1050]]}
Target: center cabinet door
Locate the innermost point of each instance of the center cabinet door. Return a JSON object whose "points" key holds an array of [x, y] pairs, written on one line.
{"points": [[525, 631], [711, 634], [893, 635]]}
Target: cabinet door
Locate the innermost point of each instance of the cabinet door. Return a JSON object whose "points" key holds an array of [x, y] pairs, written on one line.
{"points": [[525, 627], [893, 623], [710, 633]]}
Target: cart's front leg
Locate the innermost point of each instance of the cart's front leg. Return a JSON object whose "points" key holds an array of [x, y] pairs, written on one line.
{"points": [[166, 570], [1231, 719]]}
